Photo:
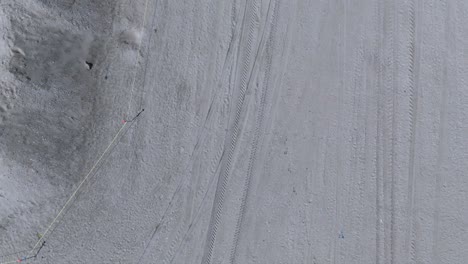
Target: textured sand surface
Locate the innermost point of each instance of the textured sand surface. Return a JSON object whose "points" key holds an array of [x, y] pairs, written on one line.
{"points": [[274, 131]]}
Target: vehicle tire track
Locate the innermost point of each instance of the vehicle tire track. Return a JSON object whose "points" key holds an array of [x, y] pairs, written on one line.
{"points": [[217, 159], [226, 63], [197, 216], [391, 125], [224, 174], [442, 148], [183, 182], [378, 150], [213, 168], [356, 159], [366, 172], [337, 122], [413, 114], [214, 164], [389, 130], [199, 141], [259, 124]]}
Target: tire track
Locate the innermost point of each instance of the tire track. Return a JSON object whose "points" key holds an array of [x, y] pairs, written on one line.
{"points": [[175, 242], [387, 126], [224, 174], [213, 169], [217, 159], [197, 214], [171, 251], [183, 182], [389, 101], [339, 198], [339, 155], [198, 143], [367, 162], [391, 124], [226, 63], [215, 163], [442, 149], [378, 149], [259, 124], [356, 159], [413, 114]]}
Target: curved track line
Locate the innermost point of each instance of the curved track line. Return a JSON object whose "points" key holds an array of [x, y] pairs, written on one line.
{"points": [[442, 148], [215, 162], [387, 105], [197, 214], [379, 236], [218, 203], [391, 125], [259, 124], [413, 104]]}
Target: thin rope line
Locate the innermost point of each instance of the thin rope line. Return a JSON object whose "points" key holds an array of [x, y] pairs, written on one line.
{"points": [[90, 173], [73, 195], [105, 151], [77, 189]]}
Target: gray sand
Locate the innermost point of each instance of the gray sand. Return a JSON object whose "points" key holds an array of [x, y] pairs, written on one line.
{"points": [[273, 132]]}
